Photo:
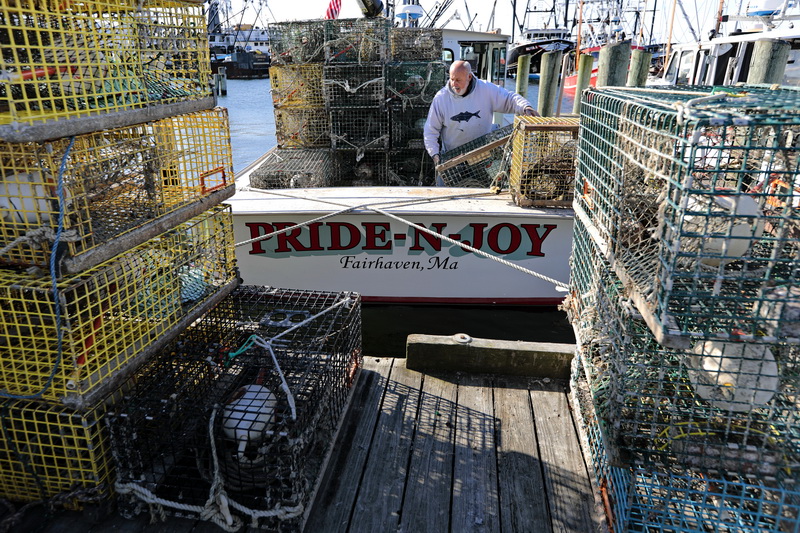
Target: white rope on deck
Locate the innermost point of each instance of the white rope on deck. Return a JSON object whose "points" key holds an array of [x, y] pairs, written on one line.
{"points": [[371, 207]]}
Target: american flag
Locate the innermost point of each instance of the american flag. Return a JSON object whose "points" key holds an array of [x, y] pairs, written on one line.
{"points": [[333, 9]]}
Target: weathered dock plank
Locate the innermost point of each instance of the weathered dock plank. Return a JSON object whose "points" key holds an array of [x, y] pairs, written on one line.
{"points": [[523, 504], [475, 501], [339, 486], [570, 496], [426, 503], [380, 497]]}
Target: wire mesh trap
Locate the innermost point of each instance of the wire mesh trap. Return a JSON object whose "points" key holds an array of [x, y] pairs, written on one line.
{"points": [[114, 183], [297, 42], [240, 408], [543, 160], [354, 168], [297, 86], [697, 203], [285, 169], [478, 162], [408, 127], [359, 128], [415, 44], [727, 406], [356, 85], [409, 168], [414, 84], [72, 61], [363, 40], [639, 498], [302, 128], [49, 452], [67, 347]]}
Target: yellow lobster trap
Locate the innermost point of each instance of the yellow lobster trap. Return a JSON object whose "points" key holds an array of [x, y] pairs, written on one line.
{"points": [[49, 452], [112, 189], [543, 160], [73, 60], [297, 86], [65, 341]]}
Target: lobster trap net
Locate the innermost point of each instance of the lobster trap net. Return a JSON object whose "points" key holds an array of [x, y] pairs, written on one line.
{"points": [[291, 169], [415, 44], [408, 127], [363, 40], [409, 168], [111, 189], [543, 160], [72, 61], [356, 85], [297, 42], [302, 128], [297, 86], [477, 163], [243, 405], [49, 452], [414, 83], [650, 497], [694, 193], [67, 340], [359, 128], [355, 168]]}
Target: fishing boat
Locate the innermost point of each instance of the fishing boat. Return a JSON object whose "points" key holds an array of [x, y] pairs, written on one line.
{"points": [[536, 42], [242, 49]]}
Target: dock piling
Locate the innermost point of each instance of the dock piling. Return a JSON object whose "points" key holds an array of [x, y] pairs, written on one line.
{"points": [[612, 68], [585, 64], [768, 63], [640, 66], [523, 67], [223, 81], [548, 80]]}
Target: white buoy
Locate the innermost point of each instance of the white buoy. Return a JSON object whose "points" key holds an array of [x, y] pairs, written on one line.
{"points": [[249, 413], [25, 198], [733, 376], [730, 225]]}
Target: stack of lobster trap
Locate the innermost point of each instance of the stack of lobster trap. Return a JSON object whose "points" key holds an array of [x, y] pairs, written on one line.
{"points": [[351, 97], [685, 300], [113, 241]]}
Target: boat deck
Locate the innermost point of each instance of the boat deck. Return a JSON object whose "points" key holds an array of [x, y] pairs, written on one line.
{"points": [[422, 453]]}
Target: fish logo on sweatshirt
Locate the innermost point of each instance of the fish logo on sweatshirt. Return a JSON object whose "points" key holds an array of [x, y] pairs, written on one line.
{"points": [[464, 116]]}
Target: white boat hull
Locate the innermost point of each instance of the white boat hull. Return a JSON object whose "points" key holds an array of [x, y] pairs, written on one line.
{"points": [[386, 260]]}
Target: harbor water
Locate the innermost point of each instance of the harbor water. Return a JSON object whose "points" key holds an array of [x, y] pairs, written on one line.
{"points": [[386, 327]]}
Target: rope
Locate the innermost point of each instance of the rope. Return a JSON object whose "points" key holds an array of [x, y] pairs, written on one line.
{"points": [[371, 207], [345, 85], [37, 237], [54, 278]]}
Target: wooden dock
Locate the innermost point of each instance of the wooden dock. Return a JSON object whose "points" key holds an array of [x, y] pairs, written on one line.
{"points": [[417, 453]]}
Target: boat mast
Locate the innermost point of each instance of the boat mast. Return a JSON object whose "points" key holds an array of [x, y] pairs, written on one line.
{"points": [[719, 17], [669, 32]]}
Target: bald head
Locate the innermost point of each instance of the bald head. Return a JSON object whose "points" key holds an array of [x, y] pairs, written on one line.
{"points": [[460, 76]]}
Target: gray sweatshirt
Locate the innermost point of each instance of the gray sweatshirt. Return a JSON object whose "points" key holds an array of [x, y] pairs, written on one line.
{"points": [[454, 120]]}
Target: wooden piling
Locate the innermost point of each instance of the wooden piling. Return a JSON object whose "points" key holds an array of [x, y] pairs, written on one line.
{"points": [[612, 69], [548, 82], [640, 68], [584, 70], [768, 63], [223, 81], [523, 68]]}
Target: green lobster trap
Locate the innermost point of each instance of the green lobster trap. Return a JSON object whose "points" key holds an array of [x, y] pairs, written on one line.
{"points": [[363, 40], [68, 340], [415, 44], [110, 189], [354, 85], [241, 409], [359, 128], [302, 128], [478, 163], [410, 167], [543, 160], [297, 86], [292, 169], [83, 61], [51, 453], [408, 127], [412, 84], [297, 42], [694, 194], [360, 168], [725, 405], [637, 497]]}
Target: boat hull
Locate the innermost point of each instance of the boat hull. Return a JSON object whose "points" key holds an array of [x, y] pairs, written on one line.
{"points": [[535, 49], [386, 260]]}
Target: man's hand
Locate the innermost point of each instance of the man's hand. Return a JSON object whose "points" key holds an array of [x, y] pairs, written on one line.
{"points": [[530, 112]]}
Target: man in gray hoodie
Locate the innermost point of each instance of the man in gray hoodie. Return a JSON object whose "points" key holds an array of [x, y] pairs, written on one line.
{"points": [[462, 110]]}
